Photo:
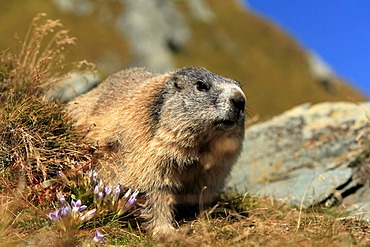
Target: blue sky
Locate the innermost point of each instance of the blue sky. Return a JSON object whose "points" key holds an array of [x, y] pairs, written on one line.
{"points": [[338, 30]]}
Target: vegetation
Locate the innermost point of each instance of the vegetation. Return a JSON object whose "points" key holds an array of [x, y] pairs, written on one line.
{"points": [[41, 154], [43, 162]]}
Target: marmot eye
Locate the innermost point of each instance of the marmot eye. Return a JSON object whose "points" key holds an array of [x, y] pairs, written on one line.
{"points": [[202, 86]]}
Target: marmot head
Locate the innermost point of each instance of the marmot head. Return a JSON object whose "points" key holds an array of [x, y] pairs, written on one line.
{"points": [[196, 103]]}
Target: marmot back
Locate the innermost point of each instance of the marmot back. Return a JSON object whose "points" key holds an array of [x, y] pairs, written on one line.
{"points": [[175, 135]]}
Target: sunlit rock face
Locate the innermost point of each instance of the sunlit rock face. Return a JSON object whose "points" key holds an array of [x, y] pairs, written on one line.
{"points": [[311, 154]]}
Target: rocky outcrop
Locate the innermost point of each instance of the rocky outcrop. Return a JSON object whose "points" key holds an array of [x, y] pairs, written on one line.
{"points": [[308, 155], [322, 72], [154, 28]]}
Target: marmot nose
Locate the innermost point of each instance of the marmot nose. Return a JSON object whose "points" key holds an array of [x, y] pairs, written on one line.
{"points": [[238, 101]]}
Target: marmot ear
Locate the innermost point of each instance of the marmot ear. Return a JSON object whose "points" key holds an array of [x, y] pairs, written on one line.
{"points": [[177, 83]]}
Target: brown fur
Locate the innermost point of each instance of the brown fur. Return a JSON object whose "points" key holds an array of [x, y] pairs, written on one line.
{"points": [[175, 136]]}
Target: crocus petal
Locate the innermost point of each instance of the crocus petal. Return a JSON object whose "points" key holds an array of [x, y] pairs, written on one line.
{"points": [[135, 193], [117, 191], [53, 215], [128, 193], [82, 208], [64, 211], [98, 237], [96, 190], [100, 195], [88, 215], [78, 203], [108, 190], [74, 206], [131, 201]]}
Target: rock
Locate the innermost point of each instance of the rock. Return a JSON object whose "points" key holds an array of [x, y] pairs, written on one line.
{"points": [[77, 7], [360, 210], [70, 87], [155, 29], [322, 72], [201, 10], [307, 156]]}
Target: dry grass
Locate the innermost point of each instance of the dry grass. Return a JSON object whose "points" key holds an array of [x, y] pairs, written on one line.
{"points": [[41, 58], [256, 222], [37, 140], [8, 233], [274, 225], [36, 137], [261, 223]]}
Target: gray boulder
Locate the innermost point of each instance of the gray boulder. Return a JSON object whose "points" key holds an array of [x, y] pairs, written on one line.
{"points": [[308, 155]]}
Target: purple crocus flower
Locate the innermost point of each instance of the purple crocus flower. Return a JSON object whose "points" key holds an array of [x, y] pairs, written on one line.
{"points": [[64, 211], [131, 201], [96, 189], [128, 193], [53, 216], [108, 190], [77, 207], [70, 216], [88, 215], [117, 191], [100, 195], [98, 237], [82, 208]]}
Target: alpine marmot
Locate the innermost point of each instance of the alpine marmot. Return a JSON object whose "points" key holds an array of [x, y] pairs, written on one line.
{"points": [[175, 136]]}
